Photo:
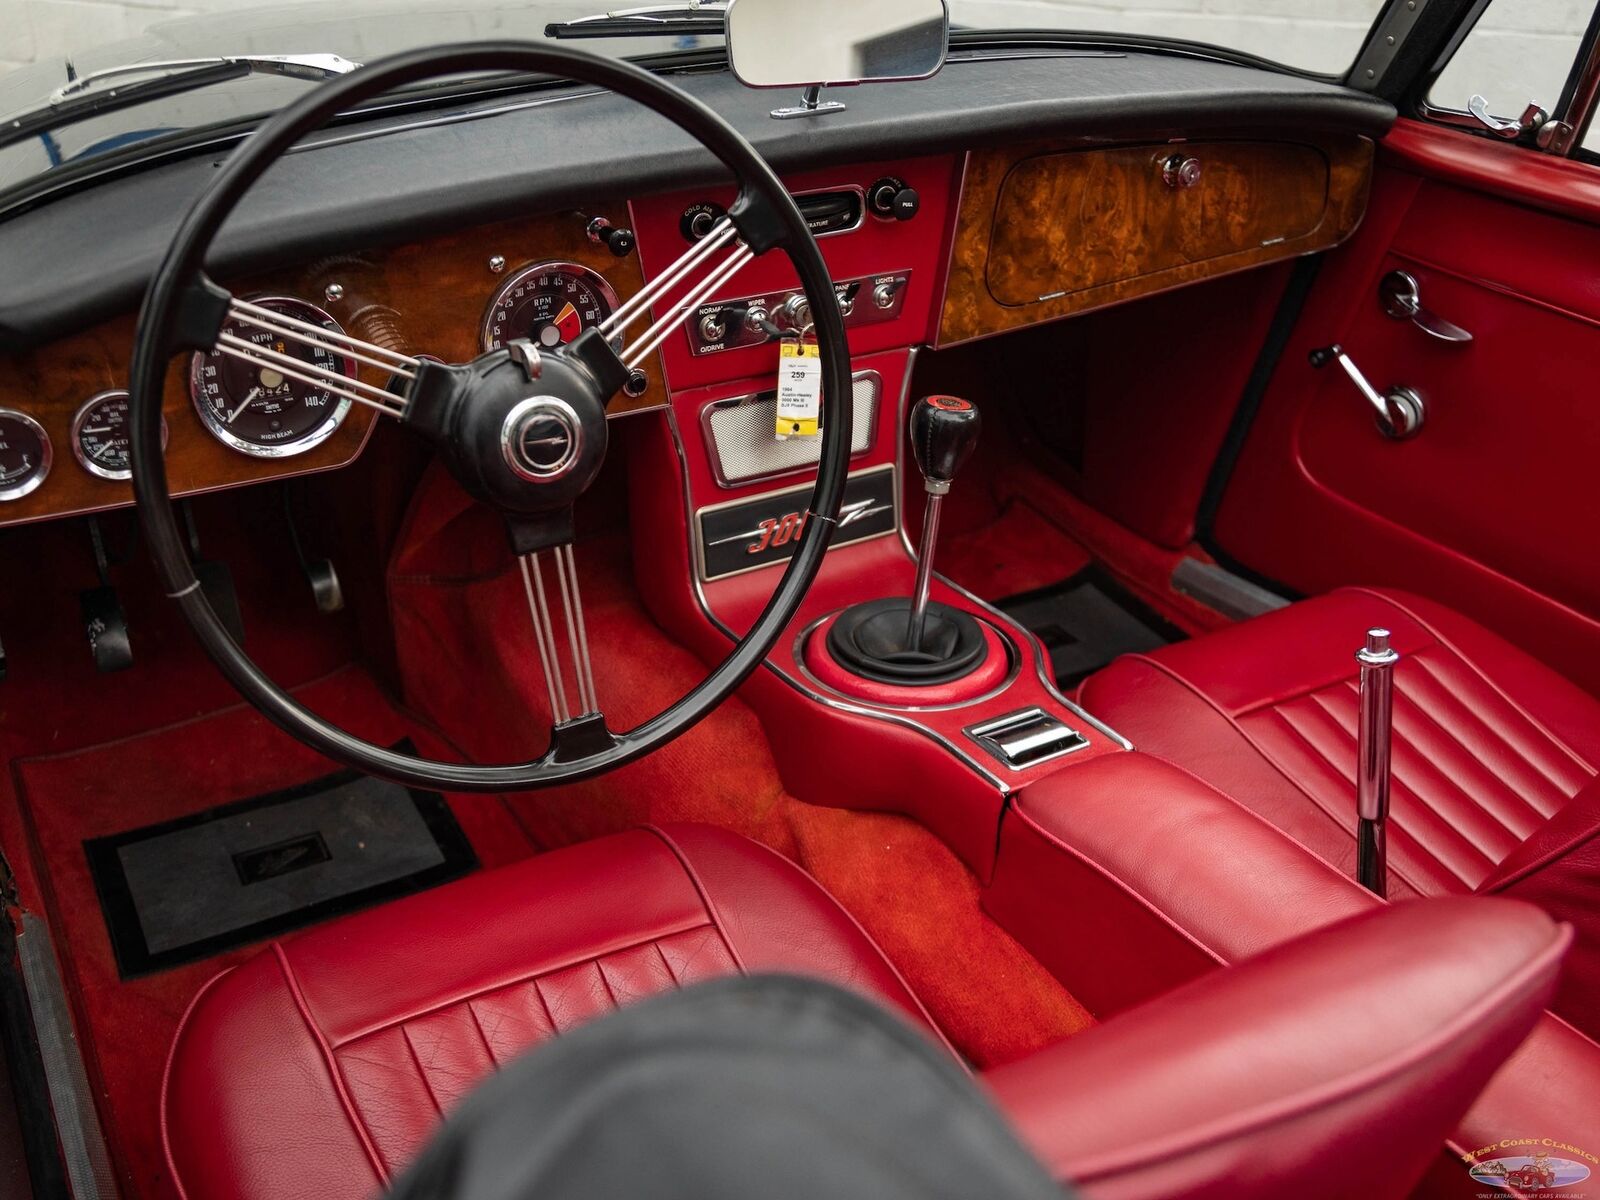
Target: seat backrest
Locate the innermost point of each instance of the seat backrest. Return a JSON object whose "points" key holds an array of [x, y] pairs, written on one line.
{"points": [[1331, 1066], [1558, 868]]}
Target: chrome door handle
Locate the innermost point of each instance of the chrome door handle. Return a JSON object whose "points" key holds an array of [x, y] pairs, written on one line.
{"points": [[1402, 299], [1532, 117], [1400, 413]]}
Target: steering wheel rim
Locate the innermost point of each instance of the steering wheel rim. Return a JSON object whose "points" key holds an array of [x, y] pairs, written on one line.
{"points": [[159, 336]]}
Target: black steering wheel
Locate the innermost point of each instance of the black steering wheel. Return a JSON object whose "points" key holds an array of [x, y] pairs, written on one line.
{"points": [[522, 428]]}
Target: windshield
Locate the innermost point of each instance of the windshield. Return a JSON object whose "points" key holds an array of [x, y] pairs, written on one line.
{"points": [[62, 43]]}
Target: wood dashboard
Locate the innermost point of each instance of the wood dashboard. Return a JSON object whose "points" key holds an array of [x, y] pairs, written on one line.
{"points": [[1045, 231], [426, 297]]}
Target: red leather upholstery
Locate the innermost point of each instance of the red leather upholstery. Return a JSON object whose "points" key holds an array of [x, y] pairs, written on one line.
{"points": [[1297, 1073], [1127, 876], [1489, 744], [342, 1046], [319, 1068]]}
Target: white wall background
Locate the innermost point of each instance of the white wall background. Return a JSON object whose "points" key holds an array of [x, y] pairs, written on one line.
{"points": [[1522, 48]]}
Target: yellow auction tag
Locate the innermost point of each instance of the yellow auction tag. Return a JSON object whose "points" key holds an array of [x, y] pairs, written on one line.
{"points": [[799, 391]]}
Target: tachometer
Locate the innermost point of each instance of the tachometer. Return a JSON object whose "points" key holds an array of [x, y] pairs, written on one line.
{"points": [[261, 410], [25, 454], [548, 304], [100, 437]]}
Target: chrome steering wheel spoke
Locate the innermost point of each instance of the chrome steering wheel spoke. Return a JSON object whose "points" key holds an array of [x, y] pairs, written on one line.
{"points": [[722, 234], [344, 384], [572, 701]]}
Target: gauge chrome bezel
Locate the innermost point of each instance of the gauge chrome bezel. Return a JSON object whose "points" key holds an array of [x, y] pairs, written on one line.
{"points": [[47, 456], [310, 441], [598, 281], [89, 464]]}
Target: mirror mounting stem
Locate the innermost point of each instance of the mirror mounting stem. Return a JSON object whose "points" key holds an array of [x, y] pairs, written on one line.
{"points": [[811, 103]]}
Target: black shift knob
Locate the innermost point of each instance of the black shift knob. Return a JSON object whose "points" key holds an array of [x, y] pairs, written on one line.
{"points": [[944, 433]]}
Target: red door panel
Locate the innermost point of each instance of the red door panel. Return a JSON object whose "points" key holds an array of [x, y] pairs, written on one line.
{"points": [[1494, 507]]}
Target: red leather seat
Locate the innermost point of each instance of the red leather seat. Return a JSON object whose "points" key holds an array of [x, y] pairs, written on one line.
{"points": [[1495, 754], [320, 1067]]}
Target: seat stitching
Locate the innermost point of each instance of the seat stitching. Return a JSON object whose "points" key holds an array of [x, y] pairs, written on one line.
{"points": [[502, 985], [850, 917], [422, 1073], [1482, 674], [1516, 796], [1438, 779], [667, 965], [1559, 787], [483, 1037], [339, 1086], [1424, 844], [1334, 817], [712, 914]]}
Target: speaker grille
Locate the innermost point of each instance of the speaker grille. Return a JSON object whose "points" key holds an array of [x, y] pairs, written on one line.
{"points": [[744, 447]]}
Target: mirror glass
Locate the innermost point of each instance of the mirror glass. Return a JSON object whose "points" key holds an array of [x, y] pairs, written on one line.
{"points": [[777, 43]]}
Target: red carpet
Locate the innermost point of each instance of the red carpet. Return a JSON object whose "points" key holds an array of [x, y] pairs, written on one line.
{"points": [[457, 600], [233, 755]]}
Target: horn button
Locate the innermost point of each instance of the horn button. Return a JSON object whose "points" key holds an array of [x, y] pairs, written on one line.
{"points": [[522, 431], [542, 439]]}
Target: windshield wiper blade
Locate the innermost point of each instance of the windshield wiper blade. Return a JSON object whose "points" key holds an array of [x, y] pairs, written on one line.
{"points": [[80, 99], [659, 21]]}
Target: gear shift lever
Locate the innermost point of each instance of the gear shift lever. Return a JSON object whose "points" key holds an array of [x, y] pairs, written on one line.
{"points": [[944, 433]]}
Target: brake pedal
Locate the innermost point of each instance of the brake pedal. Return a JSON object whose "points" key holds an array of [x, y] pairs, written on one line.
{"points": [[104, 620], [320, 573], [216, 580]]}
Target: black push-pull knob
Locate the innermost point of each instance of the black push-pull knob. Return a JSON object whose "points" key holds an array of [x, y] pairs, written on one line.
{"points": [[944, 432]]}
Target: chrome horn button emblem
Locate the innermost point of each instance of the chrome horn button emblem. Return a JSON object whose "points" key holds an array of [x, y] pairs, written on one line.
{"points": [[542, 439]]}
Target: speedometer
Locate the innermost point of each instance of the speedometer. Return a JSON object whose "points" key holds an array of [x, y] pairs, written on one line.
{"points": [[260, 409], [548, 304]]}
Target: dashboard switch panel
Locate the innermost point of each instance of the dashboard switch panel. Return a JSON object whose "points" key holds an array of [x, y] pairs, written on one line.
{"points": [[757, 320]]}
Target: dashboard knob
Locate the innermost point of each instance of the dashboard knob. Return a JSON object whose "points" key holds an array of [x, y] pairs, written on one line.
{"points": [[893, 199], [1181, 171]]}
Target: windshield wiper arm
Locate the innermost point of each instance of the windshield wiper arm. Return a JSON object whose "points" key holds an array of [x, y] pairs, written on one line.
{"points": [[80, 99], [660, 21]]}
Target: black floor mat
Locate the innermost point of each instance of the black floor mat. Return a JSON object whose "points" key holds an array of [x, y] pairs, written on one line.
{"points": [[1088, 620], [190, 888]]}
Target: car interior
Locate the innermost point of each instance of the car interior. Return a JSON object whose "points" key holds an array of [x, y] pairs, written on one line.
{"points": [[1076, 538]]}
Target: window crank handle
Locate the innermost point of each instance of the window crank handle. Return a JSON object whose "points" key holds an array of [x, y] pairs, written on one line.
{"points": [[1400, 414]]}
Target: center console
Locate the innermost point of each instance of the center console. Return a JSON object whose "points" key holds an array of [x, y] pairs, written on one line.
{"points": [[893, 689]]}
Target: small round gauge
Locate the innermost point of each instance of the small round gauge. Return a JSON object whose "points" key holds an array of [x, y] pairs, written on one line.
{"points": [[259, 409], [25, 454], [101, 435], [548, 304]]}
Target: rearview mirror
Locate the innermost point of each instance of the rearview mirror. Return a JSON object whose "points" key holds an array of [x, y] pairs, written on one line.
{"points": [[777, 43]]}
